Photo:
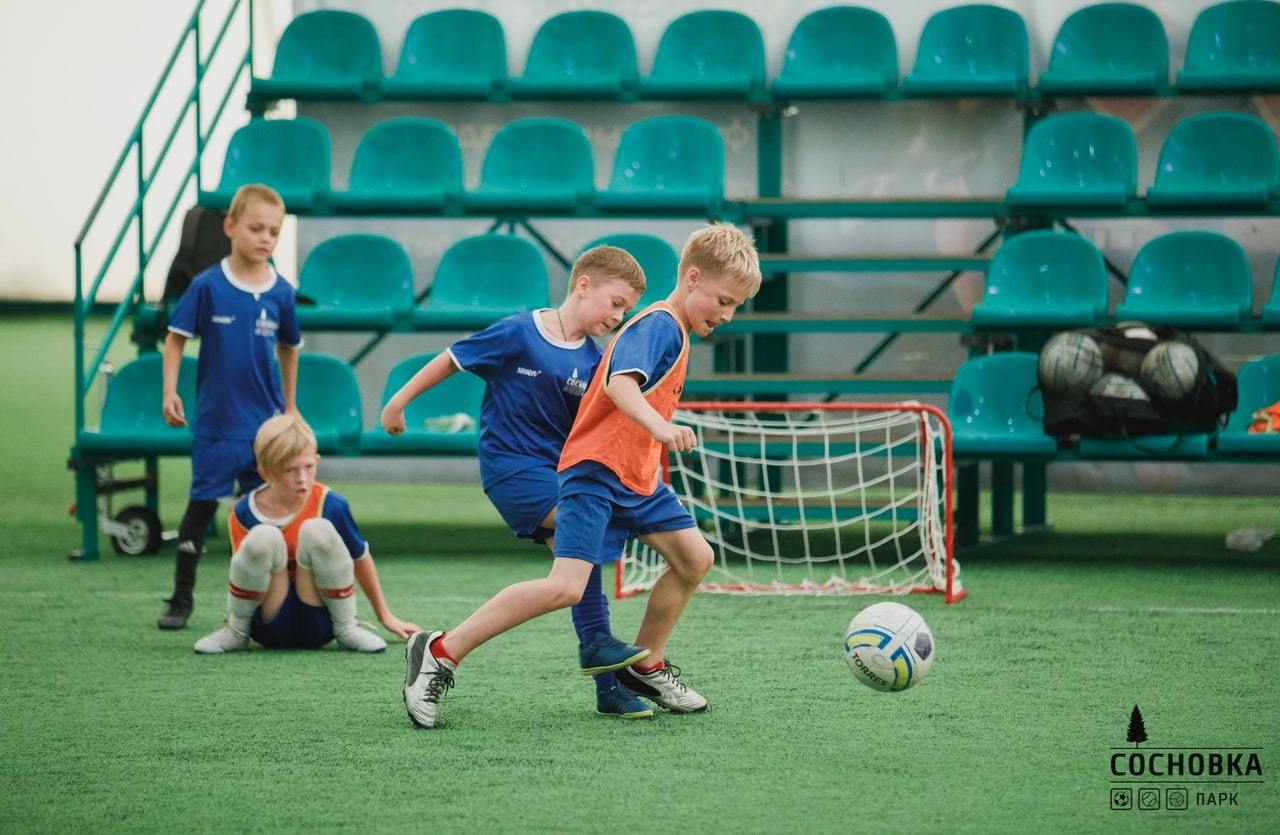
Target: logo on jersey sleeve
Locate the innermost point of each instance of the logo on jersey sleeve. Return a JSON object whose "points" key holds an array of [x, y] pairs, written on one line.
{"points": [[575, 385], [527, 372], [222, 320]]}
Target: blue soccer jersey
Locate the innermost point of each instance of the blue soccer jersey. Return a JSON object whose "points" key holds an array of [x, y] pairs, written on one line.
{"points": [[535, 384], [238, 324]]}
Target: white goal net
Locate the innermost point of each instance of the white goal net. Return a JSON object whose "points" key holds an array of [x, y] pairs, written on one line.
{"points": [[814, 498]]}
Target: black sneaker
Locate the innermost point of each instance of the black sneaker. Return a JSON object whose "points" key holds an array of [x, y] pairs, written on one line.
{"points": [[175, 614]]}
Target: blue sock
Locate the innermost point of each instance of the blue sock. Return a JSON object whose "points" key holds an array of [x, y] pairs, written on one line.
{"points": [[590, 616]]}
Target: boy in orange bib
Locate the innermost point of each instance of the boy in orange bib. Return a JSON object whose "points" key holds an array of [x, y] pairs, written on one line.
{"points": [[609, 485]]}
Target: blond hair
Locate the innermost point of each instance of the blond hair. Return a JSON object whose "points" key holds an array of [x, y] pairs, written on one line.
{"points": [[281, 439], [604, 261], [723, 250], [247, 194]]}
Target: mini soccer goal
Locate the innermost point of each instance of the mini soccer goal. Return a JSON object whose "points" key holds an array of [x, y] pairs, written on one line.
{"points": [[814, 498]]}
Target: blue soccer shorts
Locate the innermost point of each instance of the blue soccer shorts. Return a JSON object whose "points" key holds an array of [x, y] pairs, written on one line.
{"points": [[218, 463], [524, 499], [297, 625], [592, 528]]}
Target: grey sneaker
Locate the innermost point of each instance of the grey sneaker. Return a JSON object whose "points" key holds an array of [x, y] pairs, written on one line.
{"points": [[426, 679], [663, 686], [359, 638], [223, 640]]}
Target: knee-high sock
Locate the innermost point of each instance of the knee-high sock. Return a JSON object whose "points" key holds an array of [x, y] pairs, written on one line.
{"points": [[262, 553], [590, 616], [191, 533], [322, 552]]}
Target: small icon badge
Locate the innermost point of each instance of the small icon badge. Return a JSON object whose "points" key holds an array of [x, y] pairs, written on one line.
{"points": [[1122, 799]]}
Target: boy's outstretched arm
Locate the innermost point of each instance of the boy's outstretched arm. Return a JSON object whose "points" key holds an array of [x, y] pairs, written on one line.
{"points": [[288, 358], [431, 374], [171, 403], [367, 577], [624, 391]]}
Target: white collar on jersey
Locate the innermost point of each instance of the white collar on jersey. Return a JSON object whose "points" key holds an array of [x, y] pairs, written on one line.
{"points": [[280, 521], [254, 290], [559, 343]]}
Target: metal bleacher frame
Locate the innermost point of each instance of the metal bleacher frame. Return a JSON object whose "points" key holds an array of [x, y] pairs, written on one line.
{"points": [[756, 341]]}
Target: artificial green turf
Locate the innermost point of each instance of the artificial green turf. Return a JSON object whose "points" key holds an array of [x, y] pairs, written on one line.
{"points": [[111, 725]]}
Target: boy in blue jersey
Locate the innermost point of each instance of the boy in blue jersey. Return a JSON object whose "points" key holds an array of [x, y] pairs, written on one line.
{"points": [[537, 366], [245, 317], [296, 551]]}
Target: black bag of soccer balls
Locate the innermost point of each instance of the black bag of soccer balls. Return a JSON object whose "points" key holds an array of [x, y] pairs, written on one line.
{"points": [[1132, 379]]}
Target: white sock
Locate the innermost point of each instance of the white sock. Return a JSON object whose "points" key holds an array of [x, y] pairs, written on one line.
{"points": [[262, 552], [322, 552]]}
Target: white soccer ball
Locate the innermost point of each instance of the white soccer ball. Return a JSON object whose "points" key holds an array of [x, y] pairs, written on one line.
{"points": [[1170, 370], [888, 647], [1118, 386], [1070, 362]]}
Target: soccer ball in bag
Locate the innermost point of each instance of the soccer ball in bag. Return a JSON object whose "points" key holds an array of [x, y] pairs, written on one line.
{"points": [[1070, 363], [1170, 370], [888, 647]]}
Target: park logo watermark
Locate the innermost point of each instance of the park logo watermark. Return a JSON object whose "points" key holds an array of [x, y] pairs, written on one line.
{"points": [[1178, 778]]}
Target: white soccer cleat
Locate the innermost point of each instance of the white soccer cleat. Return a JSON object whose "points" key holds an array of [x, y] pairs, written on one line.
{"points": [[426, 679], [663, 686], [358, 639], [223, 640]]}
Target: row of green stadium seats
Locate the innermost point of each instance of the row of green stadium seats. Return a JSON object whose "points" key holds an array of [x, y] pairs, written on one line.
{"points": [[843, 51], [996, 411], [328, 397], [535, 163]]}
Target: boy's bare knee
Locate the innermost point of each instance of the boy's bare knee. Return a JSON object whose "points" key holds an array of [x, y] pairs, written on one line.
{"points": [[694, 563], [566, 594]]}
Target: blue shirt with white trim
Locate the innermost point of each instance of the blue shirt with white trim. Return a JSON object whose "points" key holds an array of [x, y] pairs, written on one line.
{"points": [[336, 509], [535, 385], [238, 324]]}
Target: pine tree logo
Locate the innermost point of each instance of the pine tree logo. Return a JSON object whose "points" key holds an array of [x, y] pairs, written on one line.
{"points": [[1137, 730]]}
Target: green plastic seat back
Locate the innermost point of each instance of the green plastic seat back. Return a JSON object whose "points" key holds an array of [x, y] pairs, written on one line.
{"points": [[1258, 385], [352, 271], [841, 41], [459, 392], [409, 153], [656, 257], [1201, 268], [997, 394], [530, 154], [583, 44], [328, 395], [1234, 36], [711, 44], [286, 154], [135, 395], [454, 44], [972, 41], [1047, 269], [491, 271], [670, 153], [1079, 150], [329, 45], [1219, 149], [1109, 38]]}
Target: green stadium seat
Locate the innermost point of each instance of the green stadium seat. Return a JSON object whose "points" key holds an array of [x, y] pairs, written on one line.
{"points": [[290, 155], [1258, 384], [454, 53], [1234, 46], [667, 161], [577, 55], [709, 53], [536, 163], [973, 50], [1108, 48], [482, 279], [132, 420], [1217, 158], [996, 410], [1077, 159], [656, 257], [460, 393], [1044, 280], [408, 162], [329, 400], [1189, 280], [839, 52], [355, 281], [1271, 310], [324, 54], [1190, 447]]}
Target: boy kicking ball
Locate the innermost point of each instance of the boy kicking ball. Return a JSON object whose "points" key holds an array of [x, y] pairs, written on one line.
{"points": [[296, 553], [609, 486]]}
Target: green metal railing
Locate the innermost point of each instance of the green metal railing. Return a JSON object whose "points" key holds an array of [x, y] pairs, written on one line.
{"points": [[144, 176]]}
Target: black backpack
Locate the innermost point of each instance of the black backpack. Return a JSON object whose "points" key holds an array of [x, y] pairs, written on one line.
{"points": [[1131, 411], [203, 244]]}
